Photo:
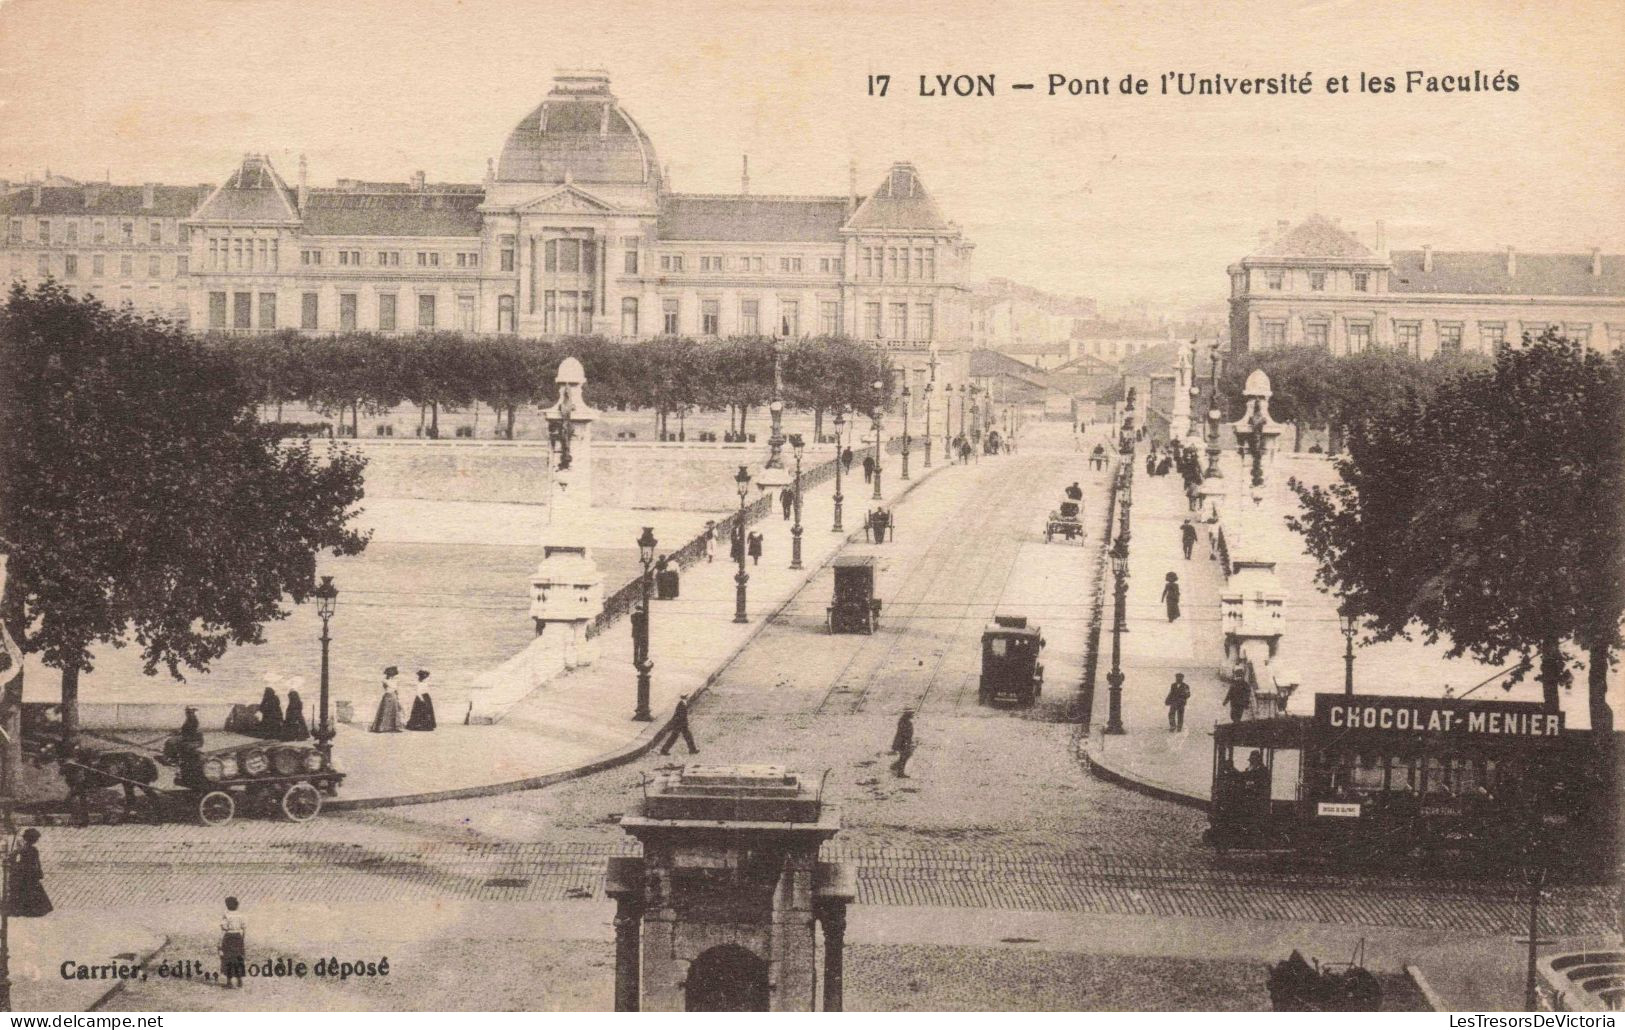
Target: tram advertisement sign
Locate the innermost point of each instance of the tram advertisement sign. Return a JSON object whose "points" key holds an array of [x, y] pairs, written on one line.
{"points": [[1437, 716]]}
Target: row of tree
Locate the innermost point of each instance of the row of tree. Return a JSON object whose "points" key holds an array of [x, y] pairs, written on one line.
{"points": [[352, 372]]}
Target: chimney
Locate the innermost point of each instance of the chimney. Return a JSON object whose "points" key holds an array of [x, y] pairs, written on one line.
{"points": [[852, 186], [744, 175], [1427, 259], [148, 195], [36, 195], [304, 183], [1512, 262], [1382, 239], [417, 180], [1596, 262], [490, 171]]}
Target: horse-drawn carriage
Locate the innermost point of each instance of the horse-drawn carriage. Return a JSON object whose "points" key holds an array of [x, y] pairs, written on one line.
{"points": [[1065, 522], [1297, 986]]}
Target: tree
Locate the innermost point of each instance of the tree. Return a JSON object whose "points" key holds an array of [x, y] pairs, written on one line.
{"points": [[1490, 512], [139, 497]]}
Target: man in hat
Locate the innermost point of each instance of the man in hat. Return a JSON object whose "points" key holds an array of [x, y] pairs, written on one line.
{"points": [[1187, 537], [902, 743], [678, 727]]}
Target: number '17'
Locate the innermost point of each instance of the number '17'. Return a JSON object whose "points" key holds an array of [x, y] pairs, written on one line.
{"points": [[882, 81]]}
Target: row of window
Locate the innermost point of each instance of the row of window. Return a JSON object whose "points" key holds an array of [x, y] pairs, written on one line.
{"points": [[895, 321], [898, 263], [246, 310], [313, 258], [1276, 279], [66, 231], [72, 268], [750, 263], [1492, 336]]}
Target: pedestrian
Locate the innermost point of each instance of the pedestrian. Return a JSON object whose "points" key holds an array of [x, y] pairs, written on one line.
{"points": [[26, 897], [1179, 692], [1170, 594], [1193, 496], [294, 726], [1238, 697], [270, 724], [1097, 457], [1212, 539], [786, 500], [736, 543], [678, 727], [1074, 492], [964, 454], [1187, 537], [422, 717], [233, 945], [902, 743], [1151, 462], [755, 548], [191, 733], [710, 540], [388, 718], [846, 459]]}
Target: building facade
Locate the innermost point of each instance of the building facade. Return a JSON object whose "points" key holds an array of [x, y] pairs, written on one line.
{"points": [[1317, 285]]}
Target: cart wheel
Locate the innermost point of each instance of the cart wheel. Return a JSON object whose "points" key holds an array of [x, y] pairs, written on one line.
{"points": [[216, 808], [301, 802]]}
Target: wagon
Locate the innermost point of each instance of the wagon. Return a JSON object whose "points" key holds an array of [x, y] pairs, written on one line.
{"points": [[1010, 666], [854, 607], [1066, 522]]}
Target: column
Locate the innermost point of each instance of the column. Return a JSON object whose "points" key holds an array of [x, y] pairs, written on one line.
{"points": [[834, 920], [628, 956]]}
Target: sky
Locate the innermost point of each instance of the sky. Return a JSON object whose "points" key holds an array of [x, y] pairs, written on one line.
{"points": [[1115, 197]]}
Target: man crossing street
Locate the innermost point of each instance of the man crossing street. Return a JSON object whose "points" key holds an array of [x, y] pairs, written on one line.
{"points": [[678, 727]]}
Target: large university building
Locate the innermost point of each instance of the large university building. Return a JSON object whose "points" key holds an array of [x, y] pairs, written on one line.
{"points": [[574, 230], [1315, 284]]}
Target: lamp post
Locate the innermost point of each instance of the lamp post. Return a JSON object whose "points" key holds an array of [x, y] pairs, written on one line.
{"points": [[327, 599], [929, 388], [641, 640], [1255, 442], [906, 395], [1212, 470], [963, 389], [1114, 679], [742, 482], [1350, 627], [840, 421], [5, 909], [797, 446], [879, 386]]}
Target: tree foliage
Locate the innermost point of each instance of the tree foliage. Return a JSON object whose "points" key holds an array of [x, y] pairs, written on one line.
{"points": [[1489, 509], [139, 496]]}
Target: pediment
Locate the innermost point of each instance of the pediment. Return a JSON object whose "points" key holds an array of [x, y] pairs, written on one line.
{"points": [[567, 198]]}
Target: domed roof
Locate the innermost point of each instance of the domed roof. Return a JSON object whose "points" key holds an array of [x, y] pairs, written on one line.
{"points": [[1258, 384], [580, 133]]}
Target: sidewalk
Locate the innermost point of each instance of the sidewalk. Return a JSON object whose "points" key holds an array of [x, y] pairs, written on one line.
{"points": [[41, 947]]}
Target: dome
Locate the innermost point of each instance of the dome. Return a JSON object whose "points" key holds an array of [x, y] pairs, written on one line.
{"points": [[579, 133], [570, 371], [1258, 384]]}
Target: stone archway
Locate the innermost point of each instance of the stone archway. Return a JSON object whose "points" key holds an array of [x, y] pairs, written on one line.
{"points": [[726, 978]]}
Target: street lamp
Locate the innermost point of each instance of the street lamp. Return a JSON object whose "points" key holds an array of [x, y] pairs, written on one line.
{"points": [[840, 421], [742, 482], [1114, 679], [975, 428], [641, 638], [879, 386], [929, 389], [797, 446], [963, 389], [1212, 470], [1350, 626], [327, 599], [906, 395]]}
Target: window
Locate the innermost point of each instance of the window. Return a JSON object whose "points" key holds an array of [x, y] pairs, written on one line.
{"points": [[386, 312], [1449, 337], [425, 311], [98, 266], [629, 314], [1317, 281], [750, 264], [829, 317], [669, 312], [310, 257], [465, 313], [265, 254], [749, 317], [710, 317], [154, 266], [1275, 280], [98, 231], [923, 318], [1359, 334], [242, 310], [789, 317], [309, 308], [127, 232], [347, 309], [1272, 332], [155, 231], [72, 228], [423, 259], [45, 230], [829, 265], [70, 265], [217, 309], [1492, 337], [126, 265], [44, 265], [1580, 334], [567, 311], [237, 252], [505, 313], [183, 234], [1535, 328], [183, 264], [1408, 337], [919, 262], [898, 262], [506, 254], [14, 231], [710, 262], [468, 259], [1316, 334], [389, 259], [629, 264], [871, 319], [267, 311], [344, 257], [898, 322], [789, 264], [1362, 282], [671, 262]]}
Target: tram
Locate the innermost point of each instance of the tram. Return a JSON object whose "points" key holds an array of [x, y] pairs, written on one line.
{"points": [[1377, 779]]}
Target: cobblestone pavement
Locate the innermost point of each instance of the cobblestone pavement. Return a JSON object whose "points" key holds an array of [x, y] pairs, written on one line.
{"points": [[996, 812]]}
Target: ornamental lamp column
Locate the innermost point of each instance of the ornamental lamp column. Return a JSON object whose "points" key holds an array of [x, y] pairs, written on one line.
{"points": [[797, 446], [1350, 627], [742, 483], [840, 421], [642, 634], [928, 391], [875, 425], [906, 395], [1114, 679], [327, 600]]}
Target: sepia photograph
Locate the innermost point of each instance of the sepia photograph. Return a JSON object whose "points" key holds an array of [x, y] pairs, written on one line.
{"points": [[755, 505]]}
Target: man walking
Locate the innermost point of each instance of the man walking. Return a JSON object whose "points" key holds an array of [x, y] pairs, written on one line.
{"points": [[1179, 692], [786, 501], [1238, 697], [1187, 537], [902, 743], [868, 468], [678, 727]]}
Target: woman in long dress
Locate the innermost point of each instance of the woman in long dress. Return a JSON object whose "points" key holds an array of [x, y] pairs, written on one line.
{"points": [[270, 725], [294, 726], [422, 706], [1170, 594], [27, 895], [388, 719]]}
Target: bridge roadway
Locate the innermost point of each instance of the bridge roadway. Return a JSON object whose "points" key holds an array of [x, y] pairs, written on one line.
{"points": [[996, 812]]}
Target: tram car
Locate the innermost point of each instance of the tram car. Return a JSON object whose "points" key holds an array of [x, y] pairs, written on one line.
{"points": [[854, 608], [1011, 670], [1379, 779]]}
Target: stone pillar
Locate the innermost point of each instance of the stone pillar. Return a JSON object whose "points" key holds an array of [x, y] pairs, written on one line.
{"points": [[628, 954], [834, 920]]}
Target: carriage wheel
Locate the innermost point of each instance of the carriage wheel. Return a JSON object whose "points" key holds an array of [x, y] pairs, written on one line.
{"points": [[216, 808], [301, 802]]}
